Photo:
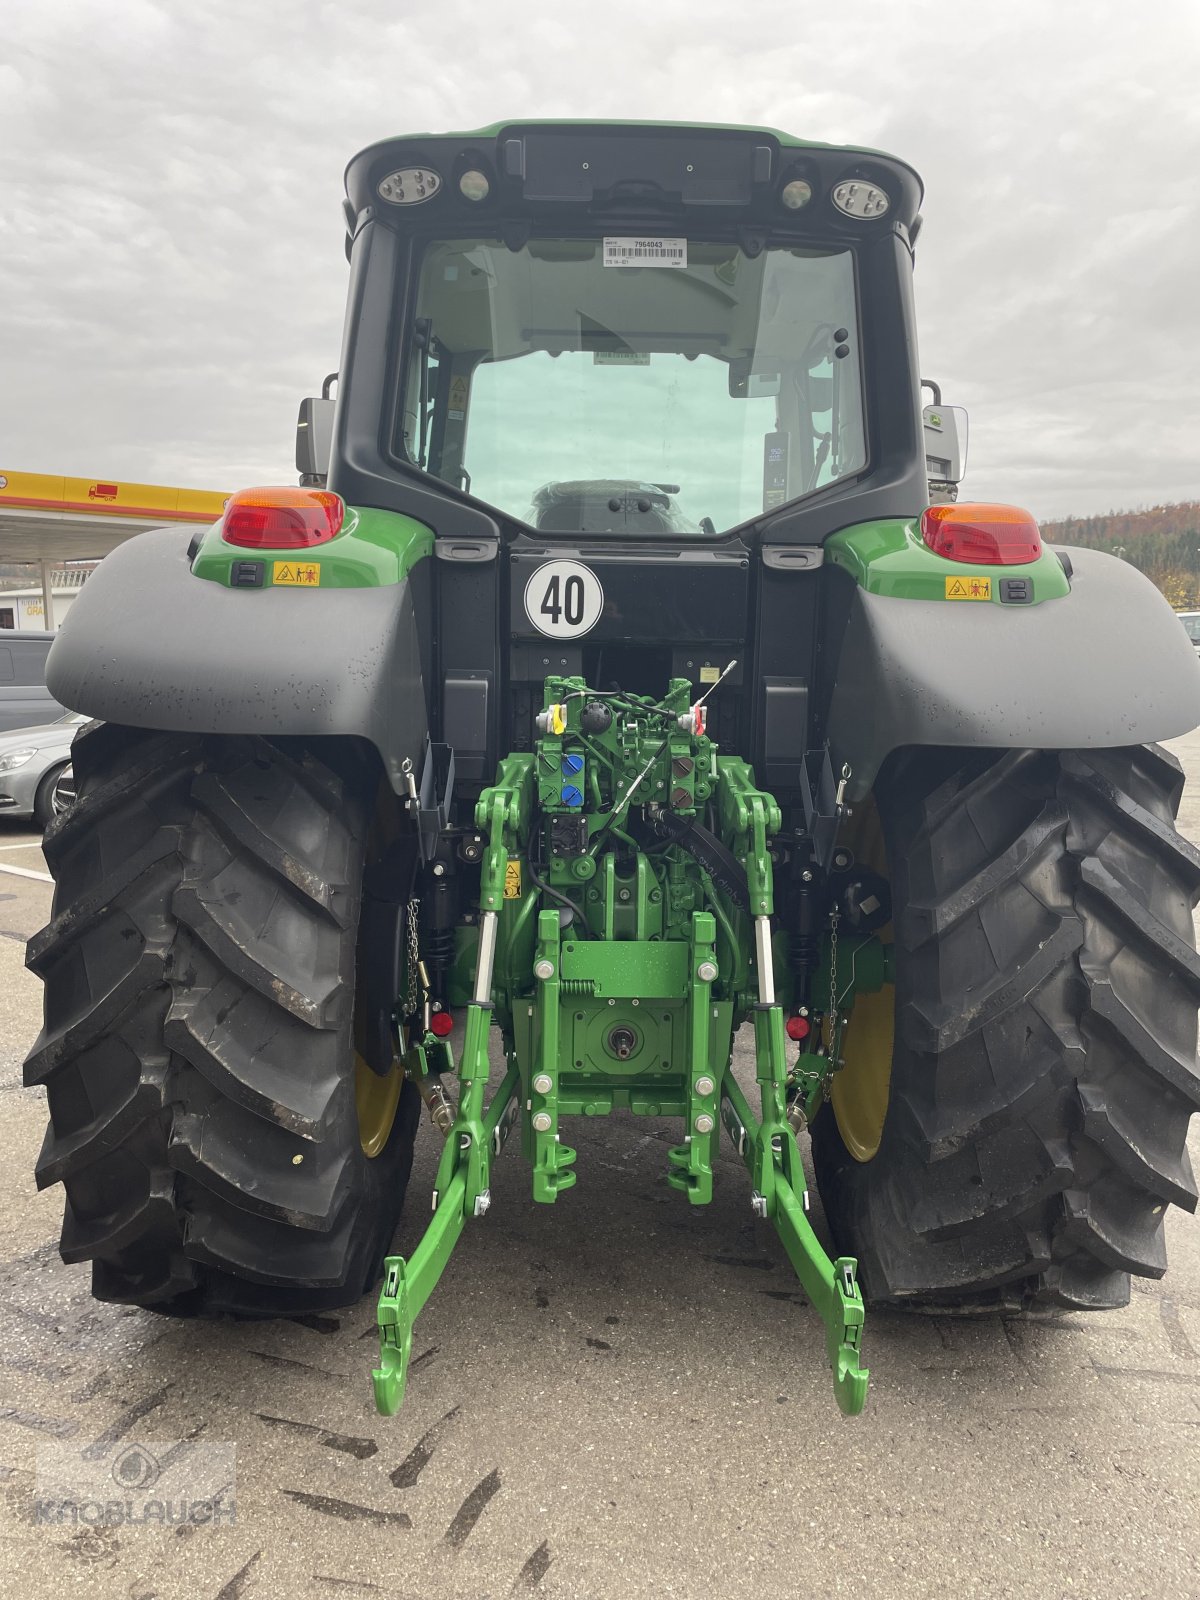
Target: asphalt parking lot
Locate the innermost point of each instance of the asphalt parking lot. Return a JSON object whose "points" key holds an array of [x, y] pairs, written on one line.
{"points": [[613, 1397]]}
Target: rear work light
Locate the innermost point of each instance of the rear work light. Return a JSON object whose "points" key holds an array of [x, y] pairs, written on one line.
{"points": [[282, 518], [983, 535]]}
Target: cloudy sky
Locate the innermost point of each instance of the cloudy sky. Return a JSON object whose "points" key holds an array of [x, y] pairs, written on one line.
{"points": [[171, 246]]}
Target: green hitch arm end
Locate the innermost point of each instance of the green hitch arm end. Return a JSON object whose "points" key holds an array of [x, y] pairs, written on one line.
{"points": [[850, 1377], [395, 1338], [833, 1289], [407, 1284], [831, 1286]]}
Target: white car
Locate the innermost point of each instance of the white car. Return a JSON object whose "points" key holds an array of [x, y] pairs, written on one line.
{"points": [[32, 762], [1191, 626]]}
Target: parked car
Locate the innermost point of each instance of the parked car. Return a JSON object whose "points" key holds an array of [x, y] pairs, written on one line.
{"points": [[1191, 626], [25, 700], [32, 761], [64, 789]]}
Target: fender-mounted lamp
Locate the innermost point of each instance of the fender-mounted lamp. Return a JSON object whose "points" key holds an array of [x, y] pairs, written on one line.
{"points": [[983, 535], [282, 518]]}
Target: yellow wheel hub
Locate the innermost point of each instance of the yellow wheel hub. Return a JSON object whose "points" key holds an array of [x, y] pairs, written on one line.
{"points": [[860, 1090], [376, 1099]]}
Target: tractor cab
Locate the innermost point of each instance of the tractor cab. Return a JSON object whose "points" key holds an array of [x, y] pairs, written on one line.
{"points": [[570, 304], [632, 377]]}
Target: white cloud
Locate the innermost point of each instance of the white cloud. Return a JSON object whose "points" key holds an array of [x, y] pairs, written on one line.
{"points": [[172, 276]]}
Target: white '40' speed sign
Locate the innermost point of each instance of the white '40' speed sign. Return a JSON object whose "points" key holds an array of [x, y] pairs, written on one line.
{"points": [[563, 599]]}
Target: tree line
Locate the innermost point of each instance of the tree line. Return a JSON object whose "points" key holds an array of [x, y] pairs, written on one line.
{"points": [[1161, 541]]}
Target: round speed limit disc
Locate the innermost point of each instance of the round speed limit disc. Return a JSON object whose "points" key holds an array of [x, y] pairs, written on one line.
{"points": [[563, 599]]}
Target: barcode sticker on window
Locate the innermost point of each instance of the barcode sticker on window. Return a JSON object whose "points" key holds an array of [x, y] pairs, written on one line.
{"points": [[645, 252]]}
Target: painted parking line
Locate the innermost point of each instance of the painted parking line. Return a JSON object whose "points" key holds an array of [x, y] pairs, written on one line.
{"points": [[31, 844], [25, 872]]}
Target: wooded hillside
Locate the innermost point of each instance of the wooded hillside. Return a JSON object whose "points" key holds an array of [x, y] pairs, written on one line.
{"points": [[1163, 542]]}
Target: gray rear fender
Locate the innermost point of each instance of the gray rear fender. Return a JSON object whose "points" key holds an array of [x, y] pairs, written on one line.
{"points": [[1106, 665], [148, 645]]}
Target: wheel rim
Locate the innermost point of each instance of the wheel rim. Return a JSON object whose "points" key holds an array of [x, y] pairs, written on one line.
{"points": [[862, 1088], [376, 1098]]}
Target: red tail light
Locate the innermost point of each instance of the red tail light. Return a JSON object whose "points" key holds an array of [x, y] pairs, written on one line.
{"points": [[441, 1024], [282, 518], [984, 535]]}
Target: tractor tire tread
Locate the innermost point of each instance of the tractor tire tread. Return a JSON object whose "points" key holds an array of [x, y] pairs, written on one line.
{"points": [[1045, 1063], [197, 1053]]}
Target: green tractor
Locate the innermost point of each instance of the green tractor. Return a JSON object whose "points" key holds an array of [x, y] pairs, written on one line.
{"points": [[622, 672]]}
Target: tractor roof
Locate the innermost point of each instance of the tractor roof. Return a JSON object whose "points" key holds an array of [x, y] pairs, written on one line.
{"points": [[701, 164], [550, 124]]}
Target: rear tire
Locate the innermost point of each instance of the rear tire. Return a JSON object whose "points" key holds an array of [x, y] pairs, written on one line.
{"points": [[1044, 1068], [197, 1050]]}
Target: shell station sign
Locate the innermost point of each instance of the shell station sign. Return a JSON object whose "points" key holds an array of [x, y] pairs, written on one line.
{"points": [[37, 491]]}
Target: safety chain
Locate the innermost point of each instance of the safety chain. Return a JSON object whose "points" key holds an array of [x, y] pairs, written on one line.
{"points": [[810, 1083], [410, 1002], [837, 1022]]}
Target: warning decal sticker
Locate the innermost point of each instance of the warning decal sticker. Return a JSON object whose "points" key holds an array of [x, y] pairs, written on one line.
{"points": [[645, 252], [458, 399], [301, 574], [968, 588], [512, 880]]}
